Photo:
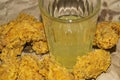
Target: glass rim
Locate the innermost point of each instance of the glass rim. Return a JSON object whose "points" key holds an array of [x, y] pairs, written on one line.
{"points": [[42, 11]]}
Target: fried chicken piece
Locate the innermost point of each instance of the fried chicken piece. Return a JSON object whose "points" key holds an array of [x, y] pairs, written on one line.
{"points": [[92, 65], [24, 29], [9, 69], [33, 68], [8, 52], [59, 73], [105, 36], [24, 16], [40, 47], [25, 67], [29, 68], [54, 70]]}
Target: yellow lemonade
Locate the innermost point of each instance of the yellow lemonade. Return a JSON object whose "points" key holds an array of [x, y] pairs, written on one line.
{"points": [[68, 40]]}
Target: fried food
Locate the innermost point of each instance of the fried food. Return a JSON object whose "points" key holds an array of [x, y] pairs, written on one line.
{"points": [[8, 52], [13, 37], [30, 67], [24, 29], [55, 71], [116, 27], [25, 67], [91, 65], [9, 69], [40, 47], [105, 36]]}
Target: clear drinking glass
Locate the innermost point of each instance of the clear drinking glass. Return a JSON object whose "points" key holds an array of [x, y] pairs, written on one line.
{"points": [[69, 26]]}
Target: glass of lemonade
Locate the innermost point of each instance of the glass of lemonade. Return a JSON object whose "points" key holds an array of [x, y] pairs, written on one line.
{"points": [[70, 27]]}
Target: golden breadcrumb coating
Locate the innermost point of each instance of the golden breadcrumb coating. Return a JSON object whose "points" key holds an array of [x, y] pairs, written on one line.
{"points": [[32, 67], [29, 68], [8, 52], [25, 67], [55, 71], [24, 29], [24, 16], [40, 47], [105, 36], [116, 27], [9, 69], [91, 65]]}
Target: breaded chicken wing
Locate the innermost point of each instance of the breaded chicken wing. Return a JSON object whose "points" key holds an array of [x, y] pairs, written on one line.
{"points": [[92, 65]]}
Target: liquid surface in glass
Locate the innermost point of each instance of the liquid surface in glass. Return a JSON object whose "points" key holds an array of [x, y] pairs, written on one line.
{"points": [[68, 41], [69, 26]]}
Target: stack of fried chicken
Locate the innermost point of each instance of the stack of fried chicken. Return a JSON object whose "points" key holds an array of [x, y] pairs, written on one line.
{"points": [[25, 31]]}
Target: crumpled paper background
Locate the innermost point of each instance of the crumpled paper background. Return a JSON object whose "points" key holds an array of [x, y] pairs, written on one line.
{"points": [[110, 11]]}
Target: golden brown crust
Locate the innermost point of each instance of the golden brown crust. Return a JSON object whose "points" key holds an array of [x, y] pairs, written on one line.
{"points": [[8, 52], [9, 69], [30, 67], [40, 47], [116, 27], [24, 29], [92, 64], [105, 36], [54, 70]]}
